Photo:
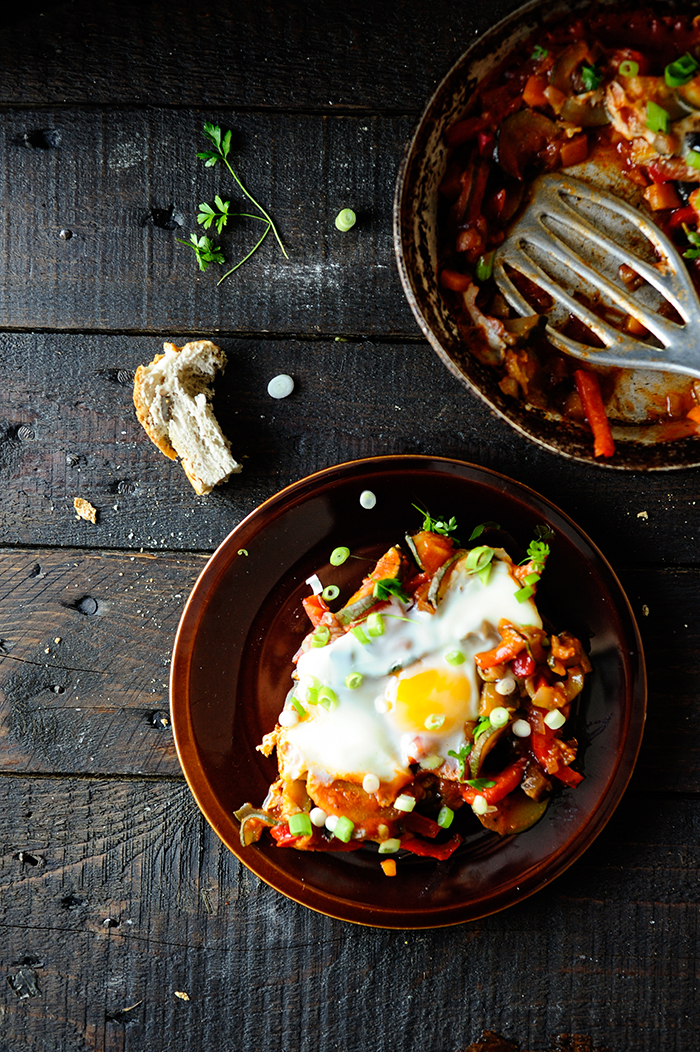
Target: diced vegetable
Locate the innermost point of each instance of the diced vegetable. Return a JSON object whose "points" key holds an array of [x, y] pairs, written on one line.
{"points": [[589, 390]]}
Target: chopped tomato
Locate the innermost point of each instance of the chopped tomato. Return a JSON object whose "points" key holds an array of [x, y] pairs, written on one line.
{"points": [[315, 607], [433, 549], [524, 664]]}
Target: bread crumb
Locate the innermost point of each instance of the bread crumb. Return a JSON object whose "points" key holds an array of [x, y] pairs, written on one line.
{"points": [[85, 510], [642, 514], [182, 995]]}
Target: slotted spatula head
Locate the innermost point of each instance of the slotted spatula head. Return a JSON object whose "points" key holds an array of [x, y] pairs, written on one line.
{"points": [[570, 241]]}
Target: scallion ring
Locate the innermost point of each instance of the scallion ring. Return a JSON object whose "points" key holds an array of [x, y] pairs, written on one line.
{"points": [[330, 592], [628, 69], [339, 555]]}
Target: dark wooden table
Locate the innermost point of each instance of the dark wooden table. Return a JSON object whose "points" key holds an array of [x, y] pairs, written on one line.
{"points": [[125, 923]]}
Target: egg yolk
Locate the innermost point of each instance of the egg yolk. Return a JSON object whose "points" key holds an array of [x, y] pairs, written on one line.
{"points": [[431, 700]]}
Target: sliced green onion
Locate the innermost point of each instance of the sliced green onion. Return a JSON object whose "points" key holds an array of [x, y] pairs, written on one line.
{"points": [[434, 722], [680, 71], [555, 719], [657, 117], [628, 69], [339, 555], [321, 636], [445, 816], [311, 681], [298, 705], [345, 219], [539, 52], [404, 802], [591, 77], [375, 625], [484, 267], [692, 159], [499, 716], [330, 592], [430, 763], [532, 578], [455, 657], [485, 573], [353, 680], [359, 634], [300, 825], [524, 593], [478, 558], [389, 847], [328, 698], [311, 696], [343, 829]]}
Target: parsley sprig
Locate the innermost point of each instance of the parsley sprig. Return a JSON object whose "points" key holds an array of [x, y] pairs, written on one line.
{"points": [[461, 758], [219, 152], [537, 554], [446, 527], [204, 249], [219, 215]]}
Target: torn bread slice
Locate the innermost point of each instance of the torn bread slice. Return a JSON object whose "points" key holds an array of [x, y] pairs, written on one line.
{"points": [[172, 396]]}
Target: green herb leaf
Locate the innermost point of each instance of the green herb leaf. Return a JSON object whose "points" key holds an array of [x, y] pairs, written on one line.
{"points": [[461, 758], [445, 527], [204, 249], [389, 586], [539, 52], [480, 783], [591, 77], [478, 530], [482, 726], [694, 240], [208, 215]]}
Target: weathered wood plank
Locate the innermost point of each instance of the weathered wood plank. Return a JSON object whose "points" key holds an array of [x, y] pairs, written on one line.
{"points": [[309, 56], [86, 637], [115, 895], [71, 397], [84, 659], [129, 184]]}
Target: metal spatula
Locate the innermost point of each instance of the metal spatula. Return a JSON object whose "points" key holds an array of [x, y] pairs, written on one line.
{"points": [[570, 241]]}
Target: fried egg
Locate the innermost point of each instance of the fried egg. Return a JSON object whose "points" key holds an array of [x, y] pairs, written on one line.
{"points": [[402, 697]]}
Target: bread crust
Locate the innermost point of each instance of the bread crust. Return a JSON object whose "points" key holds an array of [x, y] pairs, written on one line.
{"points": [[156, 404]]}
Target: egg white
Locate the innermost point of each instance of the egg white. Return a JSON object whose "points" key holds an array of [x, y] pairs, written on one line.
{"points": [[380, 726]]}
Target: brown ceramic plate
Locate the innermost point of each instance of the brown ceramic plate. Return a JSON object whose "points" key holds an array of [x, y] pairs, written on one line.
{"points": [[640, 445], [243, 622]]}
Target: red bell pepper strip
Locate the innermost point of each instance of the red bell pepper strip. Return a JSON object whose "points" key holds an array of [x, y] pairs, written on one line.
{"points": [[567, 776], [589, 390], [504, 783], [418, 846], [508, 649], [416, 823]]}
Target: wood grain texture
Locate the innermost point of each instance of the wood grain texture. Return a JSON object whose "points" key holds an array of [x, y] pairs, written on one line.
{"points": [[359, 55], [68, 429], [85, 659], [115, 895], [128, 184]]}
